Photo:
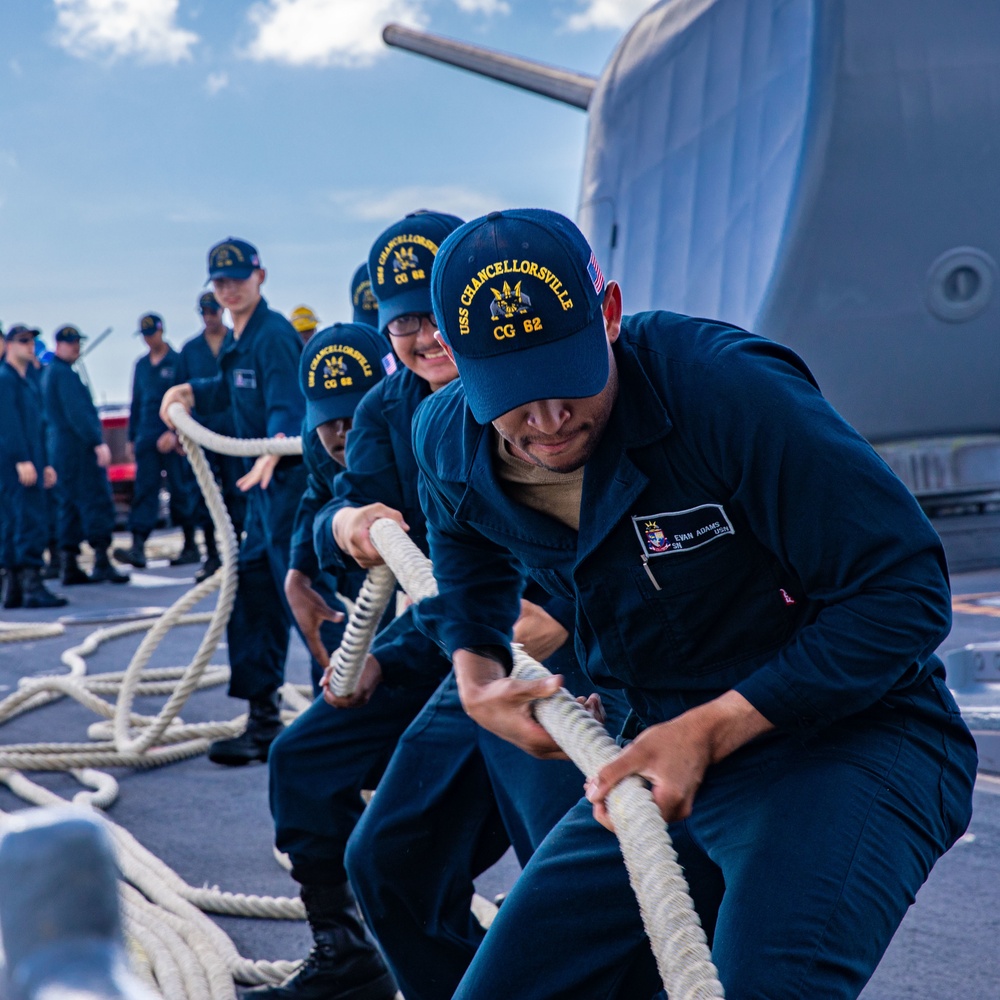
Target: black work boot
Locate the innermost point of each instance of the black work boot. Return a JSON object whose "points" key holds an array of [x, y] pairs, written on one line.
{"points": [[208, 568], [103, 571], [71, 572], [345, 963], [263, 726], [36, 594], [135, 555], [13, 595], [212, 561], [190, 553]]}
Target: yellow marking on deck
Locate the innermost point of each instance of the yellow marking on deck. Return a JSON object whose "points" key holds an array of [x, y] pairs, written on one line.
{"points": [[977, 604]]}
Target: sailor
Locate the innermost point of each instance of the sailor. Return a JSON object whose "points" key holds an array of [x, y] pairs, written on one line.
{"points": [[25, 473], [768, 594], [305, 322], [338, 366], [362, 298], [199, 358], [7, 579], [321, 763], [156, 453], [454, 797], [77, 450], [258, 383], [51, 565]]}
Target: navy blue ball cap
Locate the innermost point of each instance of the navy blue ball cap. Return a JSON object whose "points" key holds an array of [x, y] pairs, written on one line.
{"points": [[400, 262], [338, 366], [363, 299], [149, 323], [232, 258], [69, 335], [517, 296], [19, 330], [207, 302]]}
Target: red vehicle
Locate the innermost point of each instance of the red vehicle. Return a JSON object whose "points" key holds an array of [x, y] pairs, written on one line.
{"points": [[121, 472]]}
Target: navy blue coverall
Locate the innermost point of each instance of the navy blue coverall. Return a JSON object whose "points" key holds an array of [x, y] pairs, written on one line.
{"points": [[197, 361], [149, 383], [735, 533], [23, 440], [258, 382], [454, 796], [322, 470], [320, 764], [86, 506]]}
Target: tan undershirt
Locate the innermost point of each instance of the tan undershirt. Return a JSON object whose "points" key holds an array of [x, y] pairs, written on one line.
{"points": [[557, 494]]}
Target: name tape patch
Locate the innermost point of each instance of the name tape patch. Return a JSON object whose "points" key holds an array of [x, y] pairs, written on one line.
{"points": [[244, 378], [681, 530]]}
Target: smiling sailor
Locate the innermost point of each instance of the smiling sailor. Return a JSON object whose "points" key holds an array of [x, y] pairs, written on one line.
{"points": [[768, 594], [258, 382]]}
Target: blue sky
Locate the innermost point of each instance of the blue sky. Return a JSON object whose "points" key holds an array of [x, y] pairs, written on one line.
{"points": [[136, 133]]}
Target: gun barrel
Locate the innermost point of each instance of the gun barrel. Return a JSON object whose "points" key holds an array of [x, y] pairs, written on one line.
{"points": [[562, 85]]}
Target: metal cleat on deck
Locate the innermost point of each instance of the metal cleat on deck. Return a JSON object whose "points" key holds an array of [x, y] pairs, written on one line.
{"points": [[60, 923]]}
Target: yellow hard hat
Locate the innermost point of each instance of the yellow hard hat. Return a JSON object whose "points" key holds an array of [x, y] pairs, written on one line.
{"points": [[303, 318]]}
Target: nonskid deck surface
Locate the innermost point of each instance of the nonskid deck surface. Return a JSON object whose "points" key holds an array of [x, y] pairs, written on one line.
{"points": [[212, 824]]}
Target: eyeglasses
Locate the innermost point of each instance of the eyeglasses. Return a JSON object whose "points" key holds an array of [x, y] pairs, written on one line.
{"points": [[409, 324], [22, 340]]}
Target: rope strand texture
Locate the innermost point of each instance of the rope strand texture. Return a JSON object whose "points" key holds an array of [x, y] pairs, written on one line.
{"points": [[671, 922], [186, 952]]}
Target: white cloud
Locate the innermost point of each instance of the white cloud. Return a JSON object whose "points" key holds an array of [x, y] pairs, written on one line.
{"points": [[607, 14], [387, 206], [327, 32], [483, 6], [115, 28], [216, 82]]}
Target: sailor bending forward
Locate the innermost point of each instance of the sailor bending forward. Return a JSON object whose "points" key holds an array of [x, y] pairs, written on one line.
{"points": [[768, 594]]}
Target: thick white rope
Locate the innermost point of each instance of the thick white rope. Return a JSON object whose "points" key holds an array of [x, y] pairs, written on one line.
{"points": [[349, 657], [671, 922], [21, 631], [184, 953]]}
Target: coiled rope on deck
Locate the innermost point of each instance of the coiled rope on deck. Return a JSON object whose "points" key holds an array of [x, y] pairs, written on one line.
{"points": [[672, 924], [183, 952]]}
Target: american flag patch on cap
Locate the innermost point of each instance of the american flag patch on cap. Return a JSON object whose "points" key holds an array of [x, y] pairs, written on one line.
{"points": [[594, 270], [389, 363]]}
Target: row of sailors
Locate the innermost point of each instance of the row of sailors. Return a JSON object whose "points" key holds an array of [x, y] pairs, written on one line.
{"points": [[664, 510]]}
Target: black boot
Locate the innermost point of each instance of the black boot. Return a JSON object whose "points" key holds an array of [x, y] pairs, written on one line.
{"points": [[208, 567], [212, 561], [103, 571], [71, 572], [344, 964], [190, 553], [263, 726], [36, 594], [136, 554], [13, 595]]}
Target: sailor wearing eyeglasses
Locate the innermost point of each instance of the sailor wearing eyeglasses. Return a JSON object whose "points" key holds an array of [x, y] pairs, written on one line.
{"points": [[454, 797]]}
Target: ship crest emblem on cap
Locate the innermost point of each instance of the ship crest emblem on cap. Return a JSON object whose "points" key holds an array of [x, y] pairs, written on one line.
{"points": [[334, 367], [509, 302], [404, 258], [223, 256]]}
